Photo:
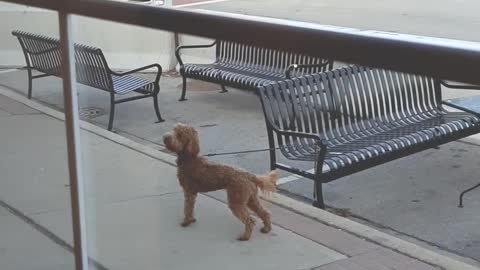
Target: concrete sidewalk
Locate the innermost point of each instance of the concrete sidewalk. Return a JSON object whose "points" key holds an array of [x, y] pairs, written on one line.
{"points": [[134, 209]]}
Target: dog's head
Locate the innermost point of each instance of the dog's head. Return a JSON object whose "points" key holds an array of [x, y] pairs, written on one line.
{"points": [[182, 140]]}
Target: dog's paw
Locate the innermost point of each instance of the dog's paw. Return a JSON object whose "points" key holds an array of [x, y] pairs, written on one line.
{"points": [[243, 238], [185, 223], [265, 229]]}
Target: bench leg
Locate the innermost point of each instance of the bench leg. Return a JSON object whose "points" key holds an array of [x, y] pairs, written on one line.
{"points": [[273, 159], [30, 79], [460, 204], [318, 190], [157, 111], [112, 112], [224, 90], [184, 89], [318, 202], [271, 146]]}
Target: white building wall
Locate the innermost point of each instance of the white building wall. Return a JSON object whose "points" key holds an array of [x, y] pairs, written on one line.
{"points": [[125, 46]]}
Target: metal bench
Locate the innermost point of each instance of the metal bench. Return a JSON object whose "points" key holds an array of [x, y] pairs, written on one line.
{"points": [[247, 67], [353, 118], [43, 54]]}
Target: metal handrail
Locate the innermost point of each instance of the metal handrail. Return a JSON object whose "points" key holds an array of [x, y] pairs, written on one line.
{"points": [[441, 58]]}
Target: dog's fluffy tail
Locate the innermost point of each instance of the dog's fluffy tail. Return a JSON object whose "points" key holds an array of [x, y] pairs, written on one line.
{"points": [[267, 183]]}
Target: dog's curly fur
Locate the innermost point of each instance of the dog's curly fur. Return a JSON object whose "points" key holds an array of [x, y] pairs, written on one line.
{"points": [[197, 174]]}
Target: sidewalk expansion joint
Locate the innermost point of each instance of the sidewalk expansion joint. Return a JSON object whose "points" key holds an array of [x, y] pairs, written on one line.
{"points": [[143, 197]]}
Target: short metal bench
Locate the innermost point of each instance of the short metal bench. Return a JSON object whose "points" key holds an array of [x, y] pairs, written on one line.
{"points": [[353, 118], [247, 67], [43, 54]]}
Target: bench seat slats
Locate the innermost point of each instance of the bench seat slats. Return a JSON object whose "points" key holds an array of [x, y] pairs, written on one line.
{"points": [[126, 84], [246, 67], [230, 74], [388, 139]]}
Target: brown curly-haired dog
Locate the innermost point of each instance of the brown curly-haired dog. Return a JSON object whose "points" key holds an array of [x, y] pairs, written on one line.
{"points": [[197, 174]]}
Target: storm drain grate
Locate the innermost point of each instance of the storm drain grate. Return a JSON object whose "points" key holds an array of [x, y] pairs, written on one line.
{"points": [[90, 113]]}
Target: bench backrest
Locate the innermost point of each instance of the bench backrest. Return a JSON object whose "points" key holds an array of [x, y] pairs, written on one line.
{"points": [[267, 59], [92, 68], [341, 101], [44, 54], [41, 53]]}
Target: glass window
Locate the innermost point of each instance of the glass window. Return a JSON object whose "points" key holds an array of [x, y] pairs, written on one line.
{"points": [[135, 84], [35, 209]]}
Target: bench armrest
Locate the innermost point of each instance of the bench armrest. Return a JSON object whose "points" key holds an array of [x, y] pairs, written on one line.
{"points": [[458, 106], [464, 108], [157, 78], [460, 86], [320, 141], [179, 48], [159, 70], [292, 67]]}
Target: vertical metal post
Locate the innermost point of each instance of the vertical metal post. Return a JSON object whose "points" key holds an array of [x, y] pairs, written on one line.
{"points": [[73, 143], [173, 60]]}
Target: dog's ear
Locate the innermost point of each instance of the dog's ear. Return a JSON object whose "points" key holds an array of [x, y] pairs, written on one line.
{"points": [[192, 147]]}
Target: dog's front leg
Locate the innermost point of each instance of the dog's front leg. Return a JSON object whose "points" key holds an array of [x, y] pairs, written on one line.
{"points": [[189, 205]]}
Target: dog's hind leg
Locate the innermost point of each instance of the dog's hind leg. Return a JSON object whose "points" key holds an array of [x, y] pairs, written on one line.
{"points": [[241, 212], [254, 204], [189, 205]]}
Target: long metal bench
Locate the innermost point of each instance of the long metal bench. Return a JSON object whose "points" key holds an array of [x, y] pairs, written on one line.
{"points": [[246, 67], [353, 118], [43, 54]]}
